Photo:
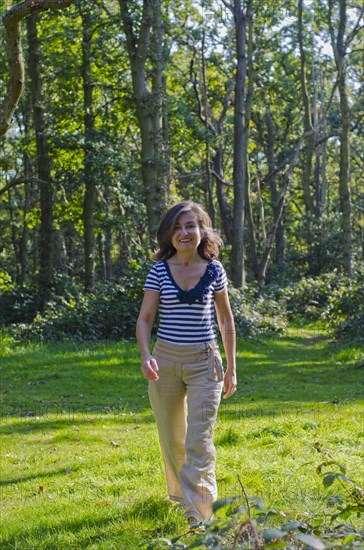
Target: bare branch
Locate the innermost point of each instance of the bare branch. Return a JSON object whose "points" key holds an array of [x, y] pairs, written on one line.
{"points": [[17, 181], [357, 28], [220, 179], [11, 21], [337, 132]]}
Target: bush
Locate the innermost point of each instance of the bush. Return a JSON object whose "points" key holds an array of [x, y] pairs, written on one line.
{"points": [[243, 522], [256, 316], [18, 304], [110, 312], [332, 298], [309, 297], [345, 311]]}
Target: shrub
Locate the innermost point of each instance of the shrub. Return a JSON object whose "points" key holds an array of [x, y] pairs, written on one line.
{"points": [[256, 316], [309, 297], [332, 298], [109, 312], [18, 304], [243, 522], [345, 311]]}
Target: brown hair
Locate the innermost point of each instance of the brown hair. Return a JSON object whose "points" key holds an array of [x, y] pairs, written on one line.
{"points": [[211, 241]]}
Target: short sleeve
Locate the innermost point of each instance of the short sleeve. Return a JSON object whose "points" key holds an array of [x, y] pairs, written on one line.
{"points": [[152, 281], [221, 281]]}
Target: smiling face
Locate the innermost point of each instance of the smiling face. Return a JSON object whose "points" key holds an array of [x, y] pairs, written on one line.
{"points": [[186, 234]]}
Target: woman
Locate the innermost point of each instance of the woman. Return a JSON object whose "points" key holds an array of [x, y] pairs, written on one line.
{"points": [[185, 371]]}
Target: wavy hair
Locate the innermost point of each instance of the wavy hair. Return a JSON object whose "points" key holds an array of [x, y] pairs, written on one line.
{"points": [[210, 244]]}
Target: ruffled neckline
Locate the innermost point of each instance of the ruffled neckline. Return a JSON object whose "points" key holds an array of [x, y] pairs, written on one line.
{"points": [[198, 292]]}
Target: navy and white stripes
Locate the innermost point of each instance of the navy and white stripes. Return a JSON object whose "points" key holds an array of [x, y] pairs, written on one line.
{"points": [[181, 322]]}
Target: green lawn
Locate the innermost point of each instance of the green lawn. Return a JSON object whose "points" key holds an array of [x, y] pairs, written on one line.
{"points": [[80, 462]]}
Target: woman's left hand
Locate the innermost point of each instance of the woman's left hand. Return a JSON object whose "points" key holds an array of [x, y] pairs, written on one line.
{"points": [[230, 383]]}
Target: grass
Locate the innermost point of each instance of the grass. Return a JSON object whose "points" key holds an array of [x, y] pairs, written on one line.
{"points": [[80, 461]]}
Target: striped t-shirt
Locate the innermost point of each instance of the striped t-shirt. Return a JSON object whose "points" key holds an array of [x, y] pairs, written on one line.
{"points": [[186, 317]]}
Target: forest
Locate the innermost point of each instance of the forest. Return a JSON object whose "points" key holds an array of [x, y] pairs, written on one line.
{"points": [[113, 110], [110, 112]]}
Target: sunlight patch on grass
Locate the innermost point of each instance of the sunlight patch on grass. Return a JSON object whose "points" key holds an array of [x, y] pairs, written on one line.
{"points": [[81, 465]]}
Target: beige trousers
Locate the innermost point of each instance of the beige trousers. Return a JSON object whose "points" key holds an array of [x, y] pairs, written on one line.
{"points": [[185, 402]]}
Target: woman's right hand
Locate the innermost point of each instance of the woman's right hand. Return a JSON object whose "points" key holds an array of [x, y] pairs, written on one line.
{"points": [[149, 368]]}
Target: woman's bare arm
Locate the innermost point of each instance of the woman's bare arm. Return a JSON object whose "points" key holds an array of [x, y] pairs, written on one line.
{"points": [[227, 329], [144, 326]]}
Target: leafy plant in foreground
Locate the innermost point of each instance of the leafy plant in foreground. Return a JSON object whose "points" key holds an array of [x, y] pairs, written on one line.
{"points": [[331, 470], [245, 523]]}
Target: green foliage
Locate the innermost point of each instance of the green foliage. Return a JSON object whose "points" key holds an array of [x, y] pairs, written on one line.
{"points": [[243, 522], [352, 503], [308, 297], [109, 312], [18, 304], [314, 245], [345, 311], [255, 316], [5, 282], [331, 298]]}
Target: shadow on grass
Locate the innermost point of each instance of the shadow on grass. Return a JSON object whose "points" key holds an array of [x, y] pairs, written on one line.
{"points": [[31, 425], [38, 475], [156, 511], [47, 536], [92, 380]]}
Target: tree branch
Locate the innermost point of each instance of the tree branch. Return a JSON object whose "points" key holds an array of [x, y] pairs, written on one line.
{"points": [[17, 181], [337, 132], [11, 22], [220, 179], [357, 28]]}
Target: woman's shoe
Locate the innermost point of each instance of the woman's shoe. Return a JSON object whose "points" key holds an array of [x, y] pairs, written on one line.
{"points": [[195, 525]]}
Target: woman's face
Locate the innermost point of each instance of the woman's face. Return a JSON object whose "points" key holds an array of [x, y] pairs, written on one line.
{"points": [[186, 234]]}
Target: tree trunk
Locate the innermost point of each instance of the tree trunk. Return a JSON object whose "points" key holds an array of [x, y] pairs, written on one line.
{"points": [[159, 93], [24, 241], [89, 128], [225, 210], [208, 189], [251, 246], [307, 120], [43, 162], [107, 243], [11, 202], [339, 48], [240, 146], [320, 152], [279, 236], [25, 232], [344, 174], [147, 104], [12, 19], [277, 217]]}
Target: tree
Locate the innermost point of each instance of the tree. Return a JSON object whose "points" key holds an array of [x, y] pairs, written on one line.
{"points": [[98, 130], [43, 160], [340, 44], [307, 117], [148, 98], [11, 21], [89, 129], [213, 114], [240, 142]]}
